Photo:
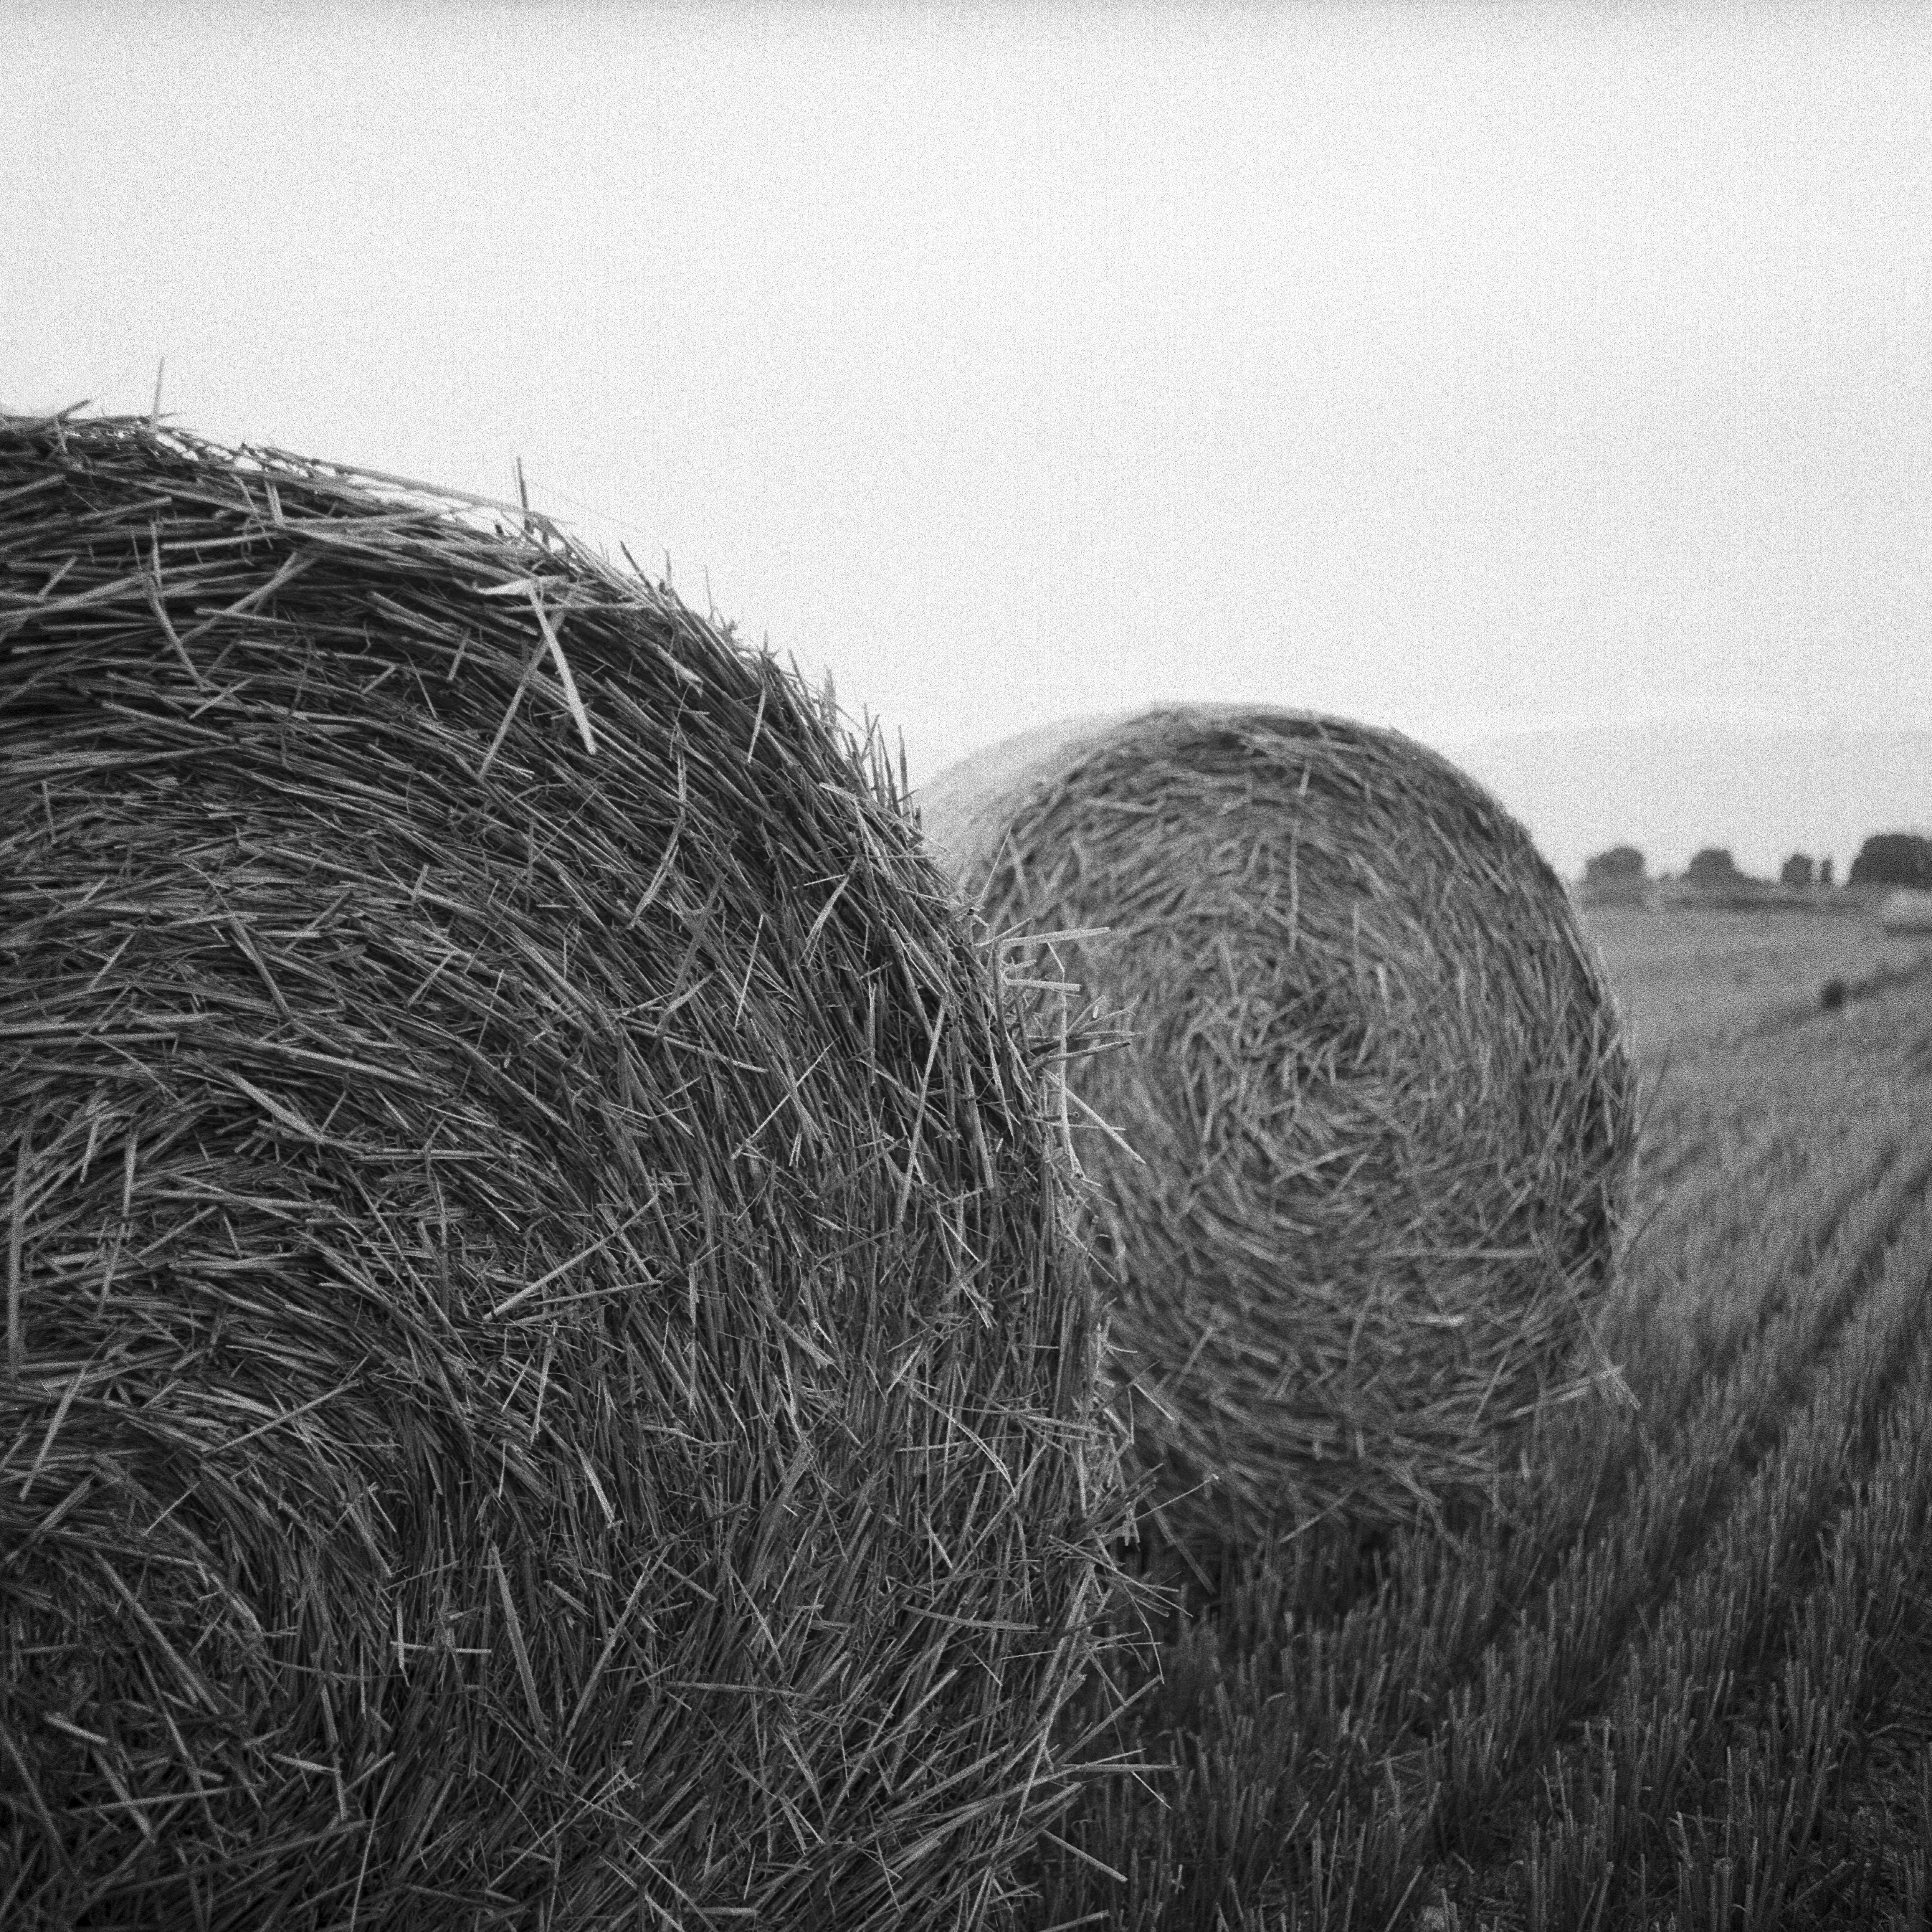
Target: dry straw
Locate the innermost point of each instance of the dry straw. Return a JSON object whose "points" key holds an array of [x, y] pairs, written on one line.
{"points": [[1373, 1122], [545, 1382]]}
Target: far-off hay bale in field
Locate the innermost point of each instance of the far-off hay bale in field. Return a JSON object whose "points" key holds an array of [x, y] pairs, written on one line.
{"points": [[1376, 1086], [1907, 910], [544, 1384]]}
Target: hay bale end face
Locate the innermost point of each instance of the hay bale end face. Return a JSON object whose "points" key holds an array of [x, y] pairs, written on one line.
{"points": [[544, 1381], [1376, 1090]]}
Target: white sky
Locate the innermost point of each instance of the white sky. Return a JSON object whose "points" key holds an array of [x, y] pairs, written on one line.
{"points": [[1471, 368]]}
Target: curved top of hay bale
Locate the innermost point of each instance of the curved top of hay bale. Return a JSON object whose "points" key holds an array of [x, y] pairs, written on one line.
{"points": [[544, 1381], [1377, 1104]]}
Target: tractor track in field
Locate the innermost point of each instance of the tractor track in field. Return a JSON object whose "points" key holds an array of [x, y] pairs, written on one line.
{"points": [[1804, 1477]]}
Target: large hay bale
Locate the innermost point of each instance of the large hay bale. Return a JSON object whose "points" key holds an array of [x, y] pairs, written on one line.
{"points": [[1376, 1090], [546, 1383]]}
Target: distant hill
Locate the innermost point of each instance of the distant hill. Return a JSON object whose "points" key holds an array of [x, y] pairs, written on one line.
{"points": [[1669, 791]]}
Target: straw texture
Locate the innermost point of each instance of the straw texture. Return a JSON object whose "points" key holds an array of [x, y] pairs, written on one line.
{"points": [[546, 1382], [1373, 1122]]}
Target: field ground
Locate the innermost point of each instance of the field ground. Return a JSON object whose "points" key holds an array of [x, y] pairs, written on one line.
{"points": [[1681, 1677], [1683, 976]]}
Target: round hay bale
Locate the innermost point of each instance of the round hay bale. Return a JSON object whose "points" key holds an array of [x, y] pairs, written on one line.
{"points": [[1373, 1119], [545, 1380]]}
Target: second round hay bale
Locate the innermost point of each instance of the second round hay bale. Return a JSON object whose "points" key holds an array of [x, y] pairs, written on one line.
{"points": [[544, 1385], [1376, 1090]]}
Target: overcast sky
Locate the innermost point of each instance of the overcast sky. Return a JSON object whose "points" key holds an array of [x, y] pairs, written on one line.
{"points": [[1469, 368]]}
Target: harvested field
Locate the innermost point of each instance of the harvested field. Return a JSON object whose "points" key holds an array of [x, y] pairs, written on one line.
{"points": [[546, 1383], [1684, 1680], [1685, 974]]}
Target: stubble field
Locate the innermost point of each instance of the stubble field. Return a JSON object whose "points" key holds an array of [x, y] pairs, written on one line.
{"points": [[1681, 1675]]}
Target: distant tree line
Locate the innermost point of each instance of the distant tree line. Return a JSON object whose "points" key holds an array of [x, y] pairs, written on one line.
{"points": [[1885, 858], [1615, 877], [1713, 868], [1621, 862], [1894, 859]]}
